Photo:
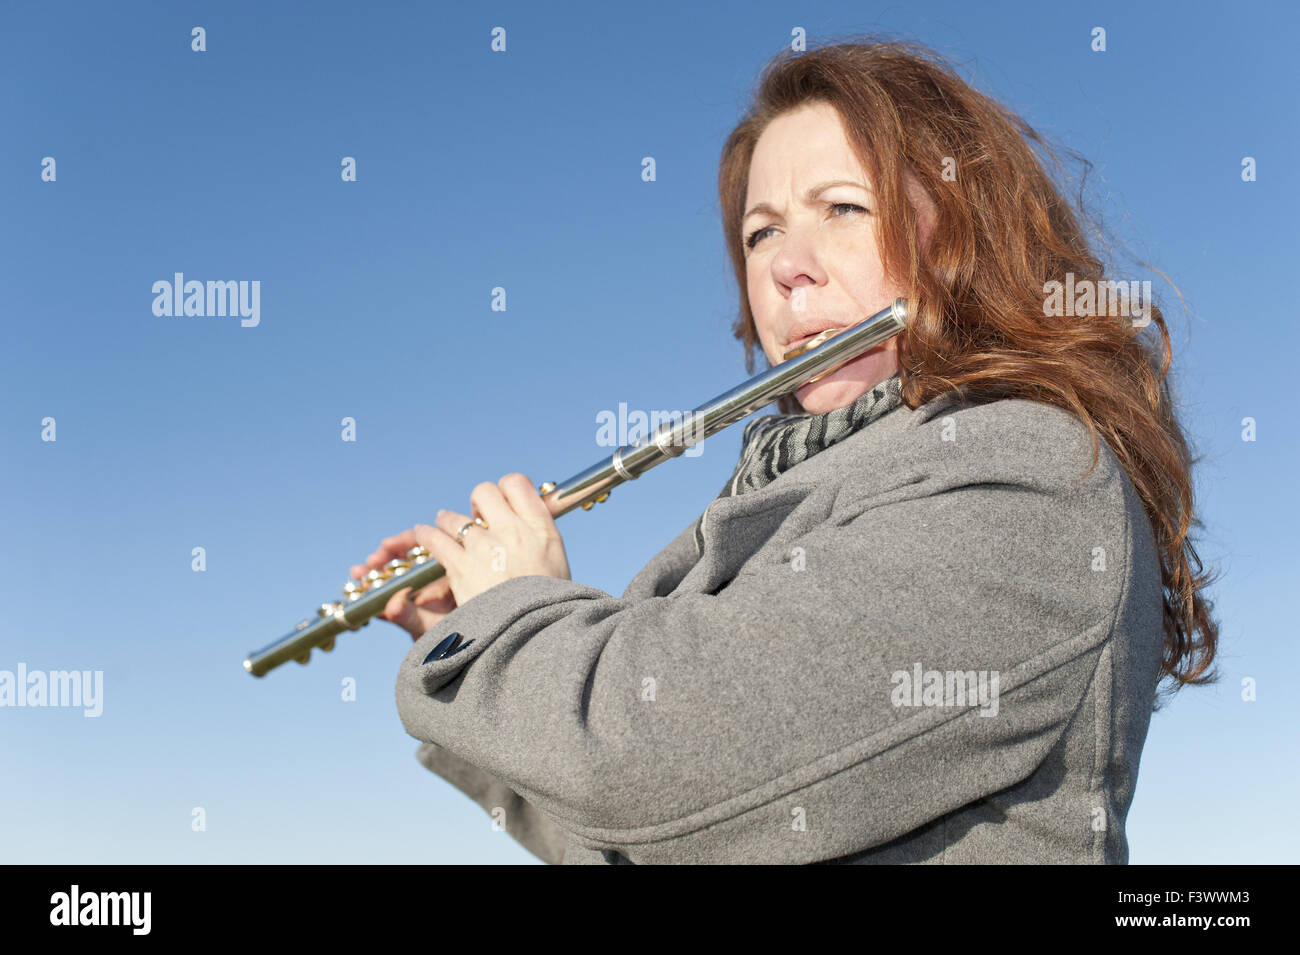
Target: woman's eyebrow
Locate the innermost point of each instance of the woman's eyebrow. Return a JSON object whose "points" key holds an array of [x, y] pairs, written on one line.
{"points": [[808, 197]]}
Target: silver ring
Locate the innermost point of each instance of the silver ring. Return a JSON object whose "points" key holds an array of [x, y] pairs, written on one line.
{"points": [[477, 522]]}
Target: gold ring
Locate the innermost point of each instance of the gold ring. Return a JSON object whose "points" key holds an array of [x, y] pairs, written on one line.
{"points": [[477, 522]]}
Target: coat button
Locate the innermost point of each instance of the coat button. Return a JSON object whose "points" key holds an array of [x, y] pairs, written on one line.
{"points": [[446, 647]]}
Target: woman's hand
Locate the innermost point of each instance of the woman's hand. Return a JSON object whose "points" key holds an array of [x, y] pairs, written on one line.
{"points": [[520, 540], [417, 613]]}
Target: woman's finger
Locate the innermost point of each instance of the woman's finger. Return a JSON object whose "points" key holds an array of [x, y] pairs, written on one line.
{"points": [[395, 546], [525, 500], [439, 605], [401, 611], [390, 548], [488, 501], [440, 589], [450, 523], [442, 547]]}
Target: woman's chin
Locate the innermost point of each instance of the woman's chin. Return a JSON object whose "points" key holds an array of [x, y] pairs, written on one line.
{"points": [[846, 385]]}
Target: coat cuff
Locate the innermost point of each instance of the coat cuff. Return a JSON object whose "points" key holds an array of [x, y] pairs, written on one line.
{"points": [[443, 651]]}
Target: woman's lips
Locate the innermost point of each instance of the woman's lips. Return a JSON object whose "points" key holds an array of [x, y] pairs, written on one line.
{"points": [[809, 342]]}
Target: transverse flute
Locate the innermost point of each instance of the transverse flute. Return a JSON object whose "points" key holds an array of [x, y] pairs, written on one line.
{"points": [[367, 598]]}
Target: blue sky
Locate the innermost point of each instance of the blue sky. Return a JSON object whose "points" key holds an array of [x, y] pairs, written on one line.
{"points": [[521, 170]]}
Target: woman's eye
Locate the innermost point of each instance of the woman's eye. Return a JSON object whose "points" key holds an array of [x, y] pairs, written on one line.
{"points": [[756, 236]]}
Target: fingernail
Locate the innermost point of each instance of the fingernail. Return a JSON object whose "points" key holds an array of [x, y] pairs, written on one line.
{"points": [[440, 513]]}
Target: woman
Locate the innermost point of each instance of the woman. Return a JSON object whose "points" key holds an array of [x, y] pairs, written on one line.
{"points": [[926, 618]]}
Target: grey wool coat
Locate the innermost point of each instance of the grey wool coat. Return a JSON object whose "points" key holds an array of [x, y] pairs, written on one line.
{"points": [[937, 641]]}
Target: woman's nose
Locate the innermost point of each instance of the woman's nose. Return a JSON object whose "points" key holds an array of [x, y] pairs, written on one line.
{"points": [[798, 262]]}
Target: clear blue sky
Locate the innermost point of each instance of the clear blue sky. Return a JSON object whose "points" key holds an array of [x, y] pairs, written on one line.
{"points": [[520, 170]]}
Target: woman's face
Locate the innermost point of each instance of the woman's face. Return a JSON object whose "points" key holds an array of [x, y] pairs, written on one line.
{"points": [[811, 257]]}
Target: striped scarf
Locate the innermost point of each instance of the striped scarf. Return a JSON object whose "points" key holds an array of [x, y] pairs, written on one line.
{"points": [[775, 443]]}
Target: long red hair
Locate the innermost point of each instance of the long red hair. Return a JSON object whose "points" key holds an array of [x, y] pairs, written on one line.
{"points": [[977, 290]]}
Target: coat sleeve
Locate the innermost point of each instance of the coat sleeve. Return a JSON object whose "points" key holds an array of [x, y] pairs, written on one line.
{"points": [[791, 716], [531, 828]]}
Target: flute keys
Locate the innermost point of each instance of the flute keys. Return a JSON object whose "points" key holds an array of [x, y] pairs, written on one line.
{"points": [[335, 610], [354, 590], [546, 487], [418, 554]]}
